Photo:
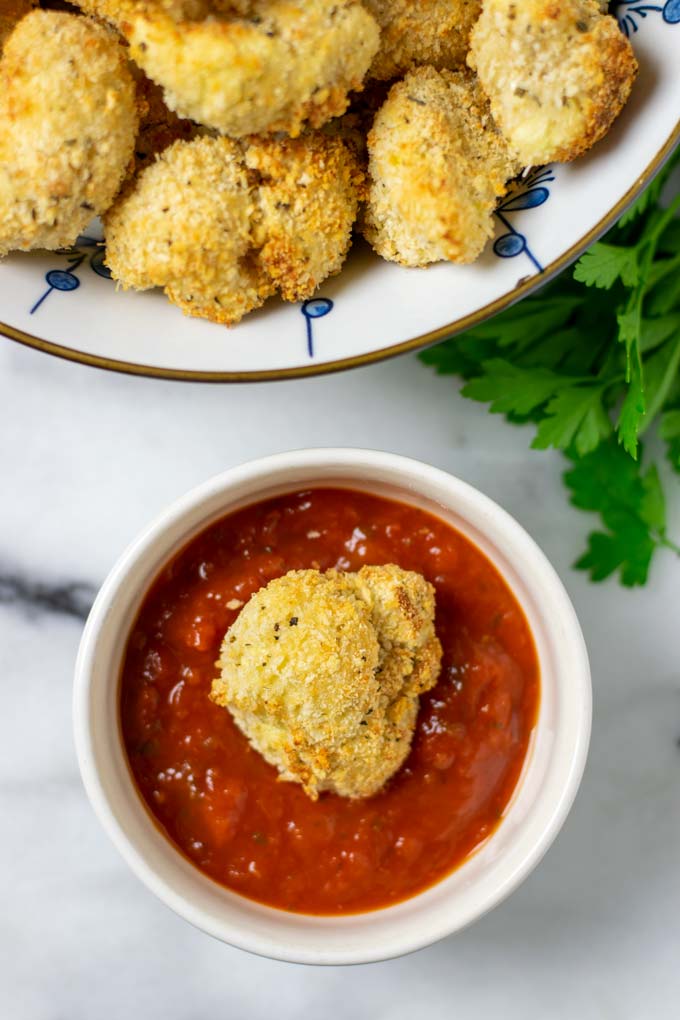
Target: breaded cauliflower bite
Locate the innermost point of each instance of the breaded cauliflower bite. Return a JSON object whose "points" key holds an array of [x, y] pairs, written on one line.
{"points": [[557, 73], [437, 166], [322, 673], [417, 32], [68, 121], [253, 67], [221, 225], [307, 192], [185, 224]]}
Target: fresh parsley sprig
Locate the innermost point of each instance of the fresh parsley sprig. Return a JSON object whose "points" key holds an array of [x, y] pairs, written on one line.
{"points": [[593, 360]]}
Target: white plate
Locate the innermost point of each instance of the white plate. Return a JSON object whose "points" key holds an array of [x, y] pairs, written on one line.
{"points": [[61, 304]]}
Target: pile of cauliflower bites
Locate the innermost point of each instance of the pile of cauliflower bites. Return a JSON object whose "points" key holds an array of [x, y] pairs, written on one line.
{"points": [[232, 146]]}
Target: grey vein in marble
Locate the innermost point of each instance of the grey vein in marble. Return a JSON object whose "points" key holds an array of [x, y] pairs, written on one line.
{"points": [[72, 599]]}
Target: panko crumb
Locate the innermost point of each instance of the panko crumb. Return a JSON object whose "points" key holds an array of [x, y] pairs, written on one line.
{"points": [[437, 167], [434, 32], [252, 67], [557, 73], [185, 224], [322, 673], [68, 121], [221, 225], [307, 195]]}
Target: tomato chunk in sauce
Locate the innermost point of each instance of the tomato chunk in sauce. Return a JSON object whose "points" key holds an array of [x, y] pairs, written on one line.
{"points": [[220, 802]]}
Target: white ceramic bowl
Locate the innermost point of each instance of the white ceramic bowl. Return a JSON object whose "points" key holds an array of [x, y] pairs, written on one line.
{"points": [[543, 796], [62, 304]]}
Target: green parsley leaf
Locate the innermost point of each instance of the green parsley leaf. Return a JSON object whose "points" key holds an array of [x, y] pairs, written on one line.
{"points": [[593, 360], [557, 351], [670, 431], [669, 242], [661, 375], [629, 550], [632, 410], [450, 358], [653, 508], [526, 325], [632, 509], [649, 198], [604, 264], [574, 416], [670, 425], [654, 332], [511, 389], [663, 290], [630, 330]]}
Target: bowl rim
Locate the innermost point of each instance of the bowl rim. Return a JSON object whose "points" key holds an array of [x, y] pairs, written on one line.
{"points": [[254, 472], [416, 343]]}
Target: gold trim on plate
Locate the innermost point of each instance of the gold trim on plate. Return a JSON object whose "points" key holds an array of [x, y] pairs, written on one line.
{"points": [[417, 343]]}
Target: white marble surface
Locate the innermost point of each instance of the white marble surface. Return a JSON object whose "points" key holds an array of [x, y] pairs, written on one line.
{"points": [[86, 459]]}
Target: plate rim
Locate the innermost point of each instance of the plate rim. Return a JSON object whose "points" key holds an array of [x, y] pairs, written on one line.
{"points": [[417, 343]]}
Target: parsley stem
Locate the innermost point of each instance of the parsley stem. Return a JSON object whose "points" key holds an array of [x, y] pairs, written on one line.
{"points": [[668, 544]]}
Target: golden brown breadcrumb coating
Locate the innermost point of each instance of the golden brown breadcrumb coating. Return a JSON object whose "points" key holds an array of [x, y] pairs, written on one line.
{"points": [[417, 32], [322, 673], [269, 65], [68, 122], [221, 225], [185, 224], [557, 73], [402, 609], [11, 13], [307, 195], [437, 166]]}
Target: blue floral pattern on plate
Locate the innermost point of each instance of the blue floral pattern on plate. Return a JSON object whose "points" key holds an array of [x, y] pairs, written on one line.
{"points": [[629, 13], [313, 309], [85, 248], [528, 193]]}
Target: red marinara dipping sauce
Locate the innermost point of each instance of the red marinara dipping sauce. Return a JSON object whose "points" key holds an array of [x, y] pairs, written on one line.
{"points": [[220, 802]]}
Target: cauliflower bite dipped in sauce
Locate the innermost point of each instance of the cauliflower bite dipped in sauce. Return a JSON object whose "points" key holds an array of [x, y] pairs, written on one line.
{"points": [[322, 673], [68, 121], [557, 73], [437, 166], [221, 225], [250, 67], [434, 32], [11, 12]]}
